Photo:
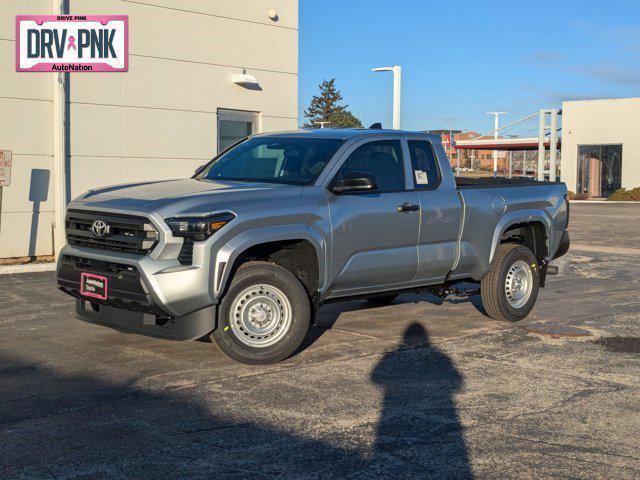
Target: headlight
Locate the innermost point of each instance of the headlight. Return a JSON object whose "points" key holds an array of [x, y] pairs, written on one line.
{"points": [[198, 228]]}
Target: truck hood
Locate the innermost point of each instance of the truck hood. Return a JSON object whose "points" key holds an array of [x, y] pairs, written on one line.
{"points": [[185, 196]]}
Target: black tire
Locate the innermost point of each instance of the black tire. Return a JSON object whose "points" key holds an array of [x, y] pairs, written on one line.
{"points": [[493, 285], [251, 274], [382, 299]]}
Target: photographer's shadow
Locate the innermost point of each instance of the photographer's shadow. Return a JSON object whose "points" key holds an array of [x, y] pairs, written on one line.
{"points": [[419, 434]]}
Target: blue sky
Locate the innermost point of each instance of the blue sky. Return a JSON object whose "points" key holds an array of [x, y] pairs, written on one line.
{"points": [[463, 58]]}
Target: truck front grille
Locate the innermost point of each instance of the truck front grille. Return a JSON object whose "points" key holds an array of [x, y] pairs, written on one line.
{"points": [[110, 231]]}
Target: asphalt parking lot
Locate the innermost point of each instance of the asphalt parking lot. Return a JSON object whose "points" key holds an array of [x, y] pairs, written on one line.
{"points": [[410, 390]]}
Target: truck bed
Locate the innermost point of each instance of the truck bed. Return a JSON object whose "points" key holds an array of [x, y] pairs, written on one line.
{"points": [[485, 182], [489, 205]]}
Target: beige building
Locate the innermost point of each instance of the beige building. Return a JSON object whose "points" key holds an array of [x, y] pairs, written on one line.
{"points": [[171, 112], [601, 145]]}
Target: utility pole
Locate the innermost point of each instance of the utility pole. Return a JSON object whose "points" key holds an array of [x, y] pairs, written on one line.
{"points": [[496, 124], [397, 91]]}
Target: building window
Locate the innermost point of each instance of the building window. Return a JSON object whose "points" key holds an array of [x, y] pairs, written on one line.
{"points": [[234, 125], [599, 169]]}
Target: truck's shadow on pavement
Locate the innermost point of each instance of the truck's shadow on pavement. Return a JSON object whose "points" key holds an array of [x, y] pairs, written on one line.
{"points": [[53, 424], [329, 314]]}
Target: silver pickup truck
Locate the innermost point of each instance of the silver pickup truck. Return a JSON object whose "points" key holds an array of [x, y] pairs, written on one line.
{"points": [[250, 247]]}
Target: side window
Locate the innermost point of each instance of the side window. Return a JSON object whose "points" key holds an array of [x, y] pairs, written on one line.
{"points": [[382, 160], [424, 164]]}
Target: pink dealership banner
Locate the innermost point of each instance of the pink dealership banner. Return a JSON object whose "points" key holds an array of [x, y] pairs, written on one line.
{"points": [[72, 43]]}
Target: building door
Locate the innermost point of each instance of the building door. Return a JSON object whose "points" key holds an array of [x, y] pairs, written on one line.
{"points": [[599, 169], [234, 125]]}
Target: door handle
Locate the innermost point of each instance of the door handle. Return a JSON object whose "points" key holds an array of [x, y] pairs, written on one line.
{"points": [[408, 207]]}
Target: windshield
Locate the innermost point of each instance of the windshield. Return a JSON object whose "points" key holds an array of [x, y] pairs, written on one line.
{"points": [[292, 160]]}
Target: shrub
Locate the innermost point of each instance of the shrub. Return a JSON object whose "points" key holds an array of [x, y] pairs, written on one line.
{"points": [[625, 195], [577, 196]]}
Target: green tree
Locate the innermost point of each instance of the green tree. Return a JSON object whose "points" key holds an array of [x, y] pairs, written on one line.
{"points": [[344, 119], [325, 107]]}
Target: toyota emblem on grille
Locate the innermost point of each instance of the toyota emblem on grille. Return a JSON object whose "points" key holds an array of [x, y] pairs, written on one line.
{"points": [[99, 228]]}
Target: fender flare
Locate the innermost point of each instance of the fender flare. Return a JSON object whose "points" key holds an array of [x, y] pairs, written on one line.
{"points": [[521, 216], [230, 251]]}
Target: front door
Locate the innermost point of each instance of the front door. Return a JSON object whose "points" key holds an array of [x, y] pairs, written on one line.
{"points": [[374, 233]]}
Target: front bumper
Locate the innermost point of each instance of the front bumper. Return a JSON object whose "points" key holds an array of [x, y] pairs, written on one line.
{"points": [[175, 289], [156, 298], [188, 327]]}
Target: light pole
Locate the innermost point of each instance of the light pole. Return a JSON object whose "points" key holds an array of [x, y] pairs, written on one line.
{"points": [[397, 86], [496, 123]]}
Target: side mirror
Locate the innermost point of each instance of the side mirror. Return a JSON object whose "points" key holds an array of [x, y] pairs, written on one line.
{"points": [[354, 182]]}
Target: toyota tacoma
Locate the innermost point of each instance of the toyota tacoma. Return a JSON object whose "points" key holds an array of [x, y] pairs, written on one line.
{"points": [[260, 237]]}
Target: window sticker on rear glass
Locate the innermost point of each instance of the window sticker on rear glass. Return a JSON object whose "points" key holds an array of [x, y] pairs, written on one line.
{"points": [[421, 177]]}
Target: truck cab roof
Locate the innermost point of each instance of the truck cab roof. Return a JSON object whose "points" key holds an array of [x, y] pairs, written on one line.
{"points": [[346, 133]]}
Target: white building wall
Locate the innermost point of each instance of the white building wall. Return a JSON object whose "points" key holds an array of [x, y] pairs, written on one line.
{"points": [[600, 122], [26, 106], [156, 121]]}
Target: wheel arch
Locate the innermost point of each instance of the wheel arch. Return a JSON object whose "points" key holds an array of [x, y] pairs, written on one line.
{"points": [[290, 246], [533, 225], [530, 234]]}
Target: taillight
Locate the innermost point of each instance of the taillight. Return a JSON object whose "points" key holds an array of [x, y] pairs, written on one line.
{"points": [[566, 200]]}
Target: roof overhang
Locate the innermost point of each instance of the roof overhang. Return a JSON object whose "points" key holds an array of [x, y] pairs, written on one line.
{"points": [[527, 143]]}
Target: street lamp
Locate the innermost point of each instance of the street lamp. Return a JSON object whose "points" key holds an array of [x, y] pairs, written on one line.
{"points": [[397, 79], [496, 123]]}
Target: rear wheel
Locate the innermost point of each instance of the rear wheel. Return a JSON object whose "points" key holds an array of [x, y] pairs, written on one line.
{"points": [[510, 289], [265, 315]]}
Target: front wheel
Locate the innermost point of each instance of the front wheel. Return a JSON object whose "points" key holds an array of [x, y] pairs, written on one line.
{"points": [[510, 289], [265, 315]]}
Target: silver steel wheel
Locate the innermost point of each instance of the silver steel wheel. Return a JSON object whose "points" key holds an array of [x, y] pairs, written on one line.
{"points": [[518, 284], [260, 315]]}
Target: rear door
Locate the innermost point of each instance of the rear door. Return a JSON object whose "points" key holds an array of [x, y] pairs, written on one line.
{"points": [[439, 212], [374, 234]]}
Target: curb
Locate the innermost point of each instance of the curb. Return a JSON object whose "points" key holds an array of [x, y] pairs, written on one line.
{"points": [[27, 268]]}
